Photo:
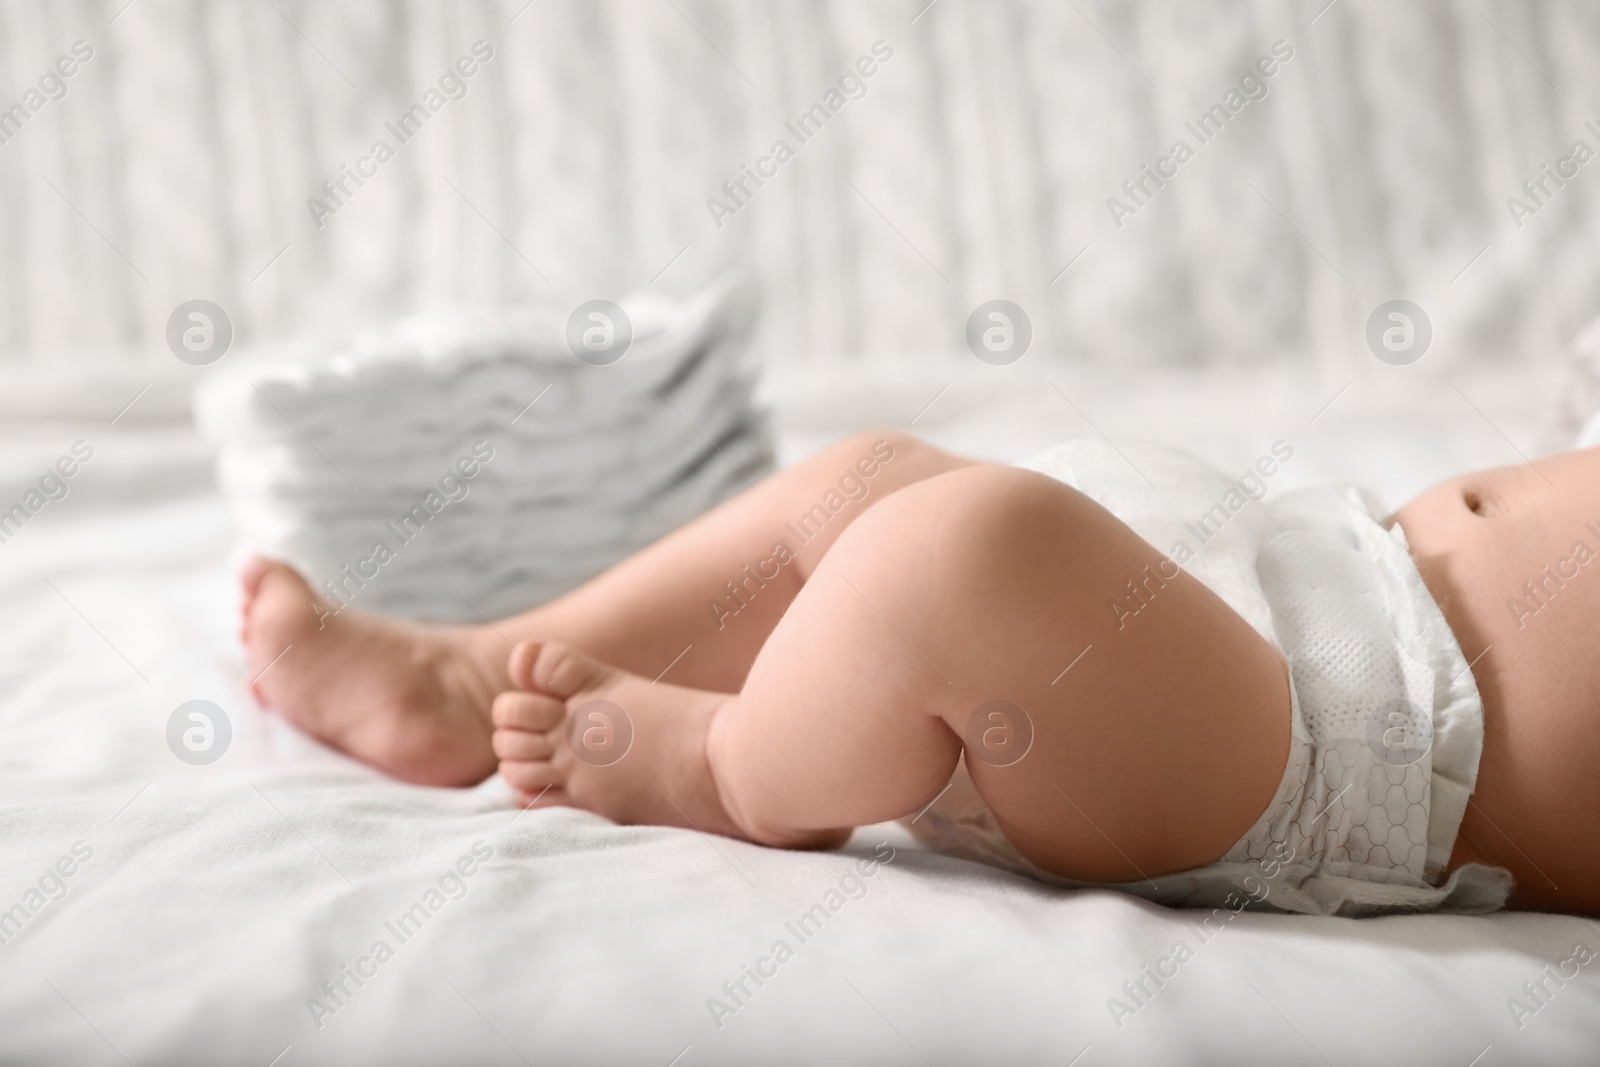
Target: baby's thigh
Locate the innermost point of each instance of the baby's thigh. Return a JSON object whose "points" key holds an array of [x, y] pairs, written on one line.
{"points": [[1126, 741], [1159, 719]]}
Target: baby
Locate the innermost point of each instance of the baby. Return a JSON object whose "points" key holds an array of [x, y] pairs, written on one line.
{"points": [[819, 653]]}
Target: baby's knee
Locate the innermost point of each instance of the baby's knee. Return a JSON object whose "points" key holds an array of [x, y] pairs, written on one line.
{"points": [[985, 510], [964, 527], [892, 457], [883, 444]]}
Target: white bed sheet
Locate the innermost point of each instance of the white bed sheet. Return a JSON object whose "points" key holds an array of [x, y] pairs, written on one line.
{"points": [[219, 898]]}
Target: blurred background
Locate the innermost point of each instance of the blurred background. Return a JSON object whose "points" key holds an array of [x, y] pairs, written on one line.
{"points": [[1199, 216], [976, 162]]}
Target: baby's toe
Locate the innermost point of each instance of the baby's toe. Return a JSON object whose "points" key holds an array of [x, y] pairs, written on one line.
{"points": [[522, 745], [530, 776], [527, 711], [555, 669], [551, 796], [250, 576], [524, 654]]}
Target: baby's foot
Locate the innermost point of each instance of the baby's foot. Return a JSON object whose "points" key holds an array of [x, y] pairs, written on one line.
{"points": [[592, 736], [410, 699]]}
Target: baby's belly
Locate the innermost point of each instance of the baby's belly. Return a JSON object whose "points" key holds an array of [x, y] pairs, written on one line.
{"points": [[1526, 612]]}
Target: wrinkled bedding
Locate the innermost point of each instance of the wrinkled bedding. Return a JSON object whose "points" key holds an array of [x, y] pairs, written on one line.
{"points": [[232, 912]]}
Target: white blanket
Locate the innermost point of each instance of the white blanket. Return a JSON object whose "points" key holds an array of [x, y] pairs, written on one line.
{"points": [[216, 900]]}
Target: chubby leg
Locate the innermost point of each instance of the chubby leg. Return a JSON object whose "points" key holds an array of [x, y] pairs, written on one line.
{"points": [[1154, 752], [414, 700], [718, 585]]}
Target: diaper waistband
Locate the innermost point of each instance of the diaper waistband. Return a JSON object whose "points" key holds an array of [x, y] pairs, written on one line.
{"points": [[1384, 695]]}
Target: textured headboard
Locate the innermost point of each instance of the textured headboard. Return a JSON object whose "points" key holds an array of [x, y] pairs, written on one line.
{"points": [[976, 161]]}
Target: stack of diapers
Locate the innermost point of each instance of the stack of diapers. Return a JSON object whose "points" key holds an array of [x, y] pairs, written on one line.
{"points": [[469, 464]]}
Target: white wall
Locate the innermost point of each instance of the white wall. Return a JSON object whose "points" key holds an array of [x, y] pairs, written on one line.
{"points": [[977, 165]]}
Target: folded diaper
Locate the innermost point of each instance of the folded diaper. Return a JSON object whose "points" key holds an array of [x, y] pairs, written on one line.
{"points": [[1387, 724], [351, 460]]}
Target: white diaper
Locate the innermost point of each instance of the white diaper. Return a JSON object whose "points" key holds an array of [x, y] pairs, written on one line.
{"points": [[1387, 721]]}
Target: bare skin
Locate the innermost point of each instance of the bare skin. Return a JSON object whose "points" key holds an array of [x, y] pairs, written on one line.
{"points": [[1477, 539], [414, 699], [840, 692]]}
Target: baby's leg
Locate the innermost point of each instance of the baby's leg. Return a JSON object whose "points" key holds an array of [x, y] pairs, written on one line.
{"points": [[414, 700], [1154, 752], [719, 584]]}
